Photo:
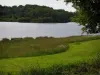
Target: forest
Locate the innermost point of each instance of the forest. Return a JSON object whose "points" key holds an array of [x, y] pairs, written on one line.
{"points": [[34, 13]]}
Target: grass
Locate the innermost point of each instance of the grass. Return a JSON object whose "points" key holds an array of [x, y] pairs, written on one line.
{"points": [[29, 47], [71, 69], [78, 53]]}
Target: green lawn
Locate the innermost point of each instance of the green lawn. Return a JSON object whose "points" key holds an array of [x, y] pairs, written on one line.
{"points": [[77, 52]]}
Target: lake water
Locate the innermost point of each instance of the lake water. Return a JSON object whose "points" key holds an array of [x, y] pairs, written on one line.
{"points": [[15, 29]]}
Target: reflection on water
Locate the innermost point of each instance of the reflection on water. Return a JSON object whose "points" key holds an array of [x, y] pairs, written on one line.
{"points": [[14, 29]]}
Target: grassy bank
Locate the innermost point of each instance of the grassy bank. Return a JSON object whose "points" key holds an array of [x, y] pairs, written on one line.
{"points": [[27, 47], [77, 60]]}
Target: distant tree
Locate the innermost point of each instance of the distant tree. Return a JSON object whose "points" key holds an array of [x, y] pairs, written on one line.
{"points": [[34, 13], [1, 12], [23, 19]]}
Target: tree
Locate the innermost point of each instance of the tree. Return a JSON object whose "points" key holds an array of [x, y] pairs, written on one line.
{"points": [[34, 13], [91, 18]]}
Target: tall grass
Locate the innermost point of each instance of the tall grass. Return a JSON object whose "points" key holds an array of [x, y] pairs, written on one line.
{"points": [[27, 47]]}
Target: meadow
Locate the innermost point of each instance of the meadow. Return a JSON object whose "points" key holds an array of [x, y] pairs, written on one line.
{"points": [[76, 55]]}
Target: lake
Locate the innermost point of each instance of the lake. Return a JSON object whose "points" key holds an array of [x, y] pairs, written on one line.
{"points": [[15, 29]]}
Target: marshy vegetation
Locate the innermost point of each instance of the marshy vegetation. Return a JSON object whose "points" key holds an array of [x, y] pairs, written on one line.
{"points": [[27, 47], [76, 55]]}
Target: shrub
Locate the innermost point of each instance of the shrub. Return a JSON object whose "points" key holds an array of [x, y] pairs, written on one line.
{"points": [[5, 40]]}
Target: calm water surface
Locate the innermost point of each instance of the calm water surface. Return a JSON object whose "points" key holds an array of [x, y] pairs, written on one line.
{"points": [[15, 29]]}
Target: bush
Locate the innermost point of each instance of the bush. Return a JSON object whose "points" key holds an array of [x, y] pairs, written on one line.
{"points": [[5, 40]]}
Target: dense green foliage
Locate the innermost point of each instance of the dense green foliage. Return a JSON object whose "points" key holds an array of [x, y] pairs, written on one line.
{"points": [[89, 13], [80, 59], [34, 13]]}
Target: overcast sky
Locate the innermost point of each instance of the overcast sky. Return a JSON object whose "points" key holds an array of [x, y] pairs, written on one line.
{"points": [[51, 3]]}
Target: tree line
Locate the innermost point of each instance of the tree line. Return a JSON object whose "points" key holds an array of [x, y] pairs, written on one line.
{"points": [[34, 13]]}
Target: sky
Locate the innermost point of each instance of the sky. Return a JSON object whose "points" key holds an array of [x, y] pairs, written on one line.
{"points": [[60, 4]]}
